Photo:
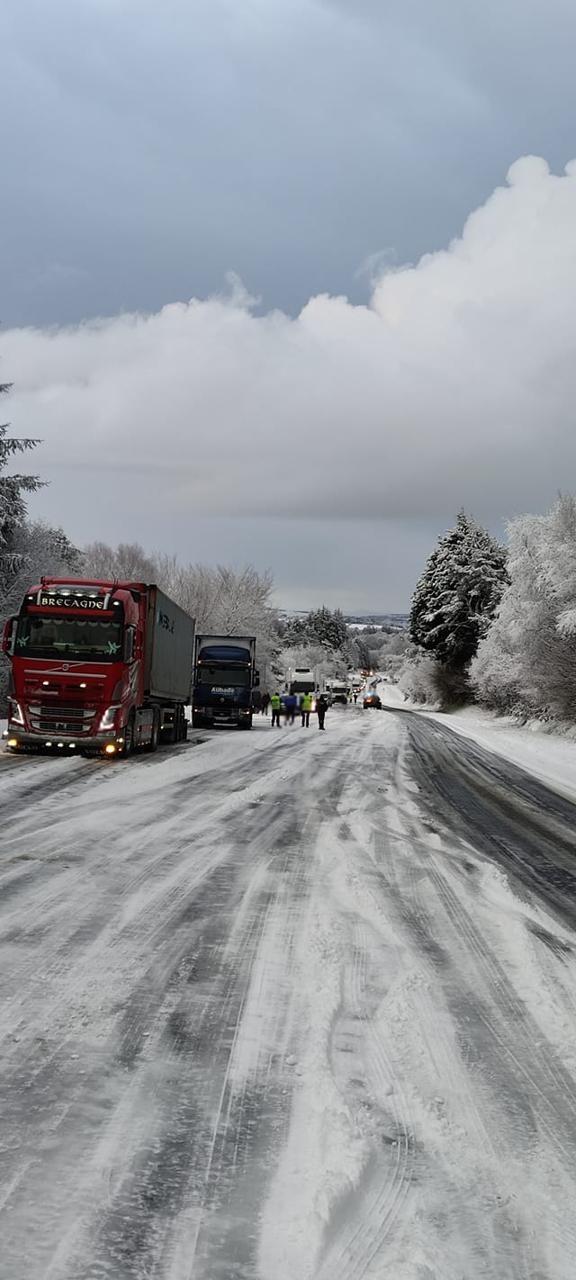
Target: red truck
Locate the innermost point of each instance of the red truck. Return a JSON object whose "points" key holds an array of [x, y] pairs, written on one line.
{"points": [[97, 667]]}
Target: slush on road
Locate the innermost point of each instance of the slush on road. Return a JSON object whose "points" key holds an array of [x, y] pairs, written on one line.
{"points": [[288, 1006]]}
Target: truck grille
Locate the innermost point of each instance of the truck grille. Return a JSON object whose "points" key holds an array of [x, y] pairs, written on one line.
{"points": [[35, 690], [47, 718]]}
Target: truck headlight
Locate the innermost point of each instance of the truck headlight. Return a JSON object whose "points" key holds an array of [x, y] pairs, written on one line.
{"points": [[15, 715], [107, 721]]}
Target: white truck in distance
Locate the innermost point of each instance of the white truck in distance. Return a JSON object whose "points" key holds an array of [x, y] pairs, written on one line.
{"points": [[301, 680], [338, 690]]}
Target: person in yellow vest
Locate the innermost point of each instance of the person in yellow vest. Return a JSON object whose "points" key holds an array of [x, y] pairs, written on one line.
{"points": [[276, 707], [305, 709]]}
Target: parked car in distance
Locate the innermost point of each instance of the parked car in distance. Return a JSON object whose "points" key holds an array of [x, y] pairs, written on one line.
{"points": [[373, 700]]}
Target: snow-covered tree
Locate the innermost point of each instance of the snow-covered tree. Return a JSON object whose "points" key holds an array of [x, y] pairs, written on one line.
{"points": [[328, 627], [527, 662], [295, 632], [363, 655], [321, 626], [417, 677], [458, 593], [39, 550], [127, 562], [13, 488]]}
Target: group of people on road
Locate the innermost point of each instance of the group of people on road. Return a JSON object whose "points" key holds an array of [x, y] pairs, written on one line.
{"points": [[286, 706]]}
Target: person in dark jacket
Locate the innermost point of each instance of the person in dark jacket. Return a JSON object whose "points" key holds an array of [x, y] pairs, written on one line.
{"points": [[290, 707], [321, 709], [264, 702]]}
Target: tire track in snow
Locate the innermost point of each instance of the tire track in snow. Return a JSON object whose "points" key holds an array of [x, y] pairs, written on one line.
{"points": [[525, 1087], [84, 1112], [500, 811], [242, 1043], [455, 1158]]}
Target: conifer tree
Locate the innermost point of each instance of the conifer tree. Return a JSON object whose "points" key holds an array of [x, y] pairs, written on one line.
{"points": [[328, 627], [458, 593], [12, 498]]}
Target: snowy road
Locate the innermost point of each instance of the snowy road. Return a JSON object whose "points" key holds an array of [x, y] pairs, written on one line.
{"points": [[288, 1006]]}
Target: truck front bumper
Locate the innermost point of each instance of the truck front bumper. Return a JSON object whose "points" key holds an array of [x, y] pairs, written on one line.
{"points": [[16, 738], [220, 717]]}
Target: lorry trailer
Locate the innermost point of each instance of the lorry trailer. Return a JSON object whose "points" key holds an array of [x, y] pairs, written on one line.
{"points": [[97, 667]]}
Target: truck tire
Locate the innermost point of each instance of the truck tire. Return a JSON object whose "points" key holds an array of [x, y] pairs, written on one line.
{"points": [[128, 747], [153, 744], [198, 722], [168, 732]]}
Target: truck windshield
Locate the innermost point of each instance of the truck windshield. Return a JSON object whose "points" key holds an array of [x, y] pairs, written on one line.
{"points": [[42, 637], [237, 676]]}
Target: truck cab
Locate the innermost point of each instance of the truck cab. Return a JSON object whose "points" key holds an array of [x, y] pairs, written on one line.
{"points": [[339, 692], [225, 678]]}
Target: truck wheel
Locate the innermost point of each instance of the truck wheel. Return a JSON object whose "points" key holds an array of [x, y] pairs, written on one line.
{"points": [[153, 744], [182, 725], [128, 747], [198, 722], [168, 731]]}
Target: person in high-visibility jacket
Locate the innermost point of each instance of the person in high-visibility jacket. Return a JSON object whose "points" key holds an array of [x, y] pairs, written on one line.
{"points": [[276, 705], [305, 709]]}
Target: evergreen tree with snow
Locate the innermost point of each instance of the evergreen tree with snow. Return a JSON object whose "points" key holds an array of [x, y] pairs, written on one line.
{"points": [[364, 657], [328, 627], [458, 594], [295, 632], [13, 489]]}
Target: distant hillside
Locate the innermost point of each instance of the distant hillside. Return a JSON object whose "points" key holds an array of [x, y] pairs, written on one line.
{"points": [[397, 621]]}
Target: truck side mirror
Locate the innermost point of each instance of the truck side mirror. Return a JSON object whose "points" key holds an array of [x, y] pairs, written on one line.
{"points": [[256, 679], [9, 636]]}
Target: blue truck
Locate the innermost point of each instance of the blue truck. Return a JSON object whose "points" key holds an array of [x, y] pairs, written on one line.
{"points": [[225, 679]]}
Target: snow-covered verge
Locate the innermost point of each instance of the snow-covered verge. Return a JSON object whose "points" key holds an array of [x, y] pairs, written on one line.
{"points": [[547, 755]]}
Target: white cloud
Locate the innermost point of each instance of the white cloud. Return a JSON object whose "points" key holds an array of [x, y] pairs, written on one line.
{"points": [[457, 384]]}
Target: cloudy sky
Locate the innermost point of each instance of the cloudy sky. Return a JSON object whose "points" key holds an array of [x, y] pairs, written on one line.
{"points": [[267, 292]]}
